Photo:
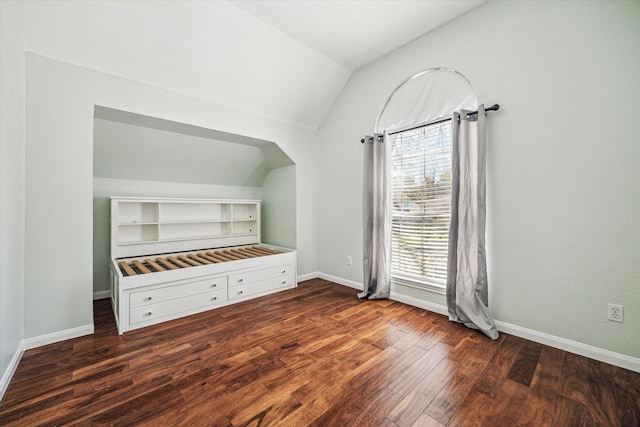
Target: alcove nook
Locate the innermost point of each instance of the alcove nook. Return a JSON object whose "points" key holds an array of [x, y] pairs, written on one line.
{"points": [[143, 156]]}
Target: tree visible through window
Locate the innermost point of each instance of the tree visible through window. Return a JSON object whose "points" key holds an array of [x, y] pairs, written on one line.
{"points": [[421, 195]]}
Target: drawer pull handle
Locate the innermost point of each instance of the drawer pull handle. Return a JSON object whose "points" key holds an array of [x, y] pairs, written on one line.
{"points": [[214, 285], [284, 271], [148, 313], [240, 292], [240, 280], [214, 298], [148, 298], [284, 282]]}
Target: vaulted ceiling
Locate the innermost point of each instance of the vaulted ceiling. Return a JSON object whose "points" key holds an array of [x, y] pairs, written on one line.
{"points": [[284, 60]]}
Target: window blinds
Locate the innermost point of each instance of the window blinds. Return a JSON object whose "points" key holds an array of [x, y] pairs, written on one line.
{"points": [[421, 197]]}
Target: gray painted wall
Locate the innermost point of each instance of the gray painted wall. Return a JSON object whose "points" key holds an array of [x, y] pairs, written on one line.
{"points": [[278, 216], [12, 160], [563, 177]]}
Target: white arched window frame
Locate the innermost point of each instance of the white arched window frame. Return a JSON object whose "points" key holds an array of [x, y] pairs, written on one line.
{"points": [[425, 170], [416, 117]]}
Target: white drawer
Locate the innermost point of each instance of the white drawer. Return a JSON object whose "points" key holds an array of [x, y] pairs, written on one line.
{"points": [[244, 290], [153, 296], [259, 275], [166, 308]]}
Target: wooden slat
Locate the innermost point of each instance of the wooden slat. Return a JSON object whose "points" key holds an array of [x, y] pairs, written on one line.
{"points": [[220, 255], [141, 267], [236, 253], [216, 257], [265, 251], [199, 259], [254, 252], [167, 263], [245, 252], [189, 261], [232, 256], [153, 265], [207, 257], [177, 262], [126, 269]]}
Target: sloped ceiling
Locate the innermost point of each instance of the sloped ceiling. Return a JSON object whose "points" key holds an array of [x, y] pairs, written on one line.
{"points": [[284, 60], [355, 32], [137, 147]]}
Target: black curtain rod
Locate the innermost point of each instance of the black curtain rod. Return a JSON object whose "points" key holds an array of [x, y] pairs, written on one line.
{"points": [[494, 107]]}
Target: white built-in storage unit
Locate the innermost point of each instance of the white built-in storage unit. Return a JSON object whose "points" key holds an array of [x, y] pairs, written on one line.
{"points": [[175, 257], [148, 226]]}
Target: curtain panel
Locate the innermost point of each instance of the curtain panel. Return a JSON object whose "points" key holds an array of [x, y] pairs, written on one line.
{"points": [[467, 286], [376, 215]]}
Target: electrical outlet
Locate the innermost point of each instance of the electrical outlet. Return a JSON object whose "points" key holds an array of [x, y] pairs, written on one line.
{"points": [[349, 260], [615, 312]]}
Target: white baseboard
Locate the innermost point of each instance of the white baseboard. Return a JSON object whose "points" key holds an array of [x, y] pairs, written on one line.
{"points": [[39, 341], [416, 302], [341, 281], [11, 369], [101, 295], [334, 279], [586, 350], [308, 276]]}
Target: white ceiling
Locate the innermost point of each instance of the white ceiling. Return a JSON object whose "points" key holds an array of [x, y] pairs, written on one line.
{"points": [[284, 60], [355, 32]]}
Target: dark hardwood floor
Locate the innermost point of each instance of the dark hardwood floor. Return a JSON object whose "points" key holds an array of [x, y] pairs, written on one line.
{"points": [[315, 355]]}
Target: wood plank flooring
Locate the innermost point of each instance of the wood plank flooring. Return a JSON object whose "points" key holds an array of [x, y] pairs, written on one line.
{"points": [[317, 356]]}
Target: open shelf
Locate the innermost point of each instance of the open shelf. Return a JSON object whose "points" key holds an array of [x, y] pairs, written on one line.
{"points": [[164, 225]]}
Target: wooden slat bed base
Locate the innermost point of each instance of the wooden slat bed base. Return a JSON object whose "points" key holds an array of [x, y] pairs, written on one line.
{"points": [[153, 265], [126, 269], [141, 267], [167, 264], [174, 262]]}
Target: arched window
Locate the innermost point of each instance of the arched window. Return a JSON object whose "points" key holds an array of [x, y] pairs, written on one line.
{"points": [[417, 119], [424, 196]]}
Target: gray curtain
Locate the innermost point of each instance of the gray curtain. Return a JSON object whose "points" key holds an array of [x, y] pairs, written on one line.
{"points": [[376, 213], [467, 288]]}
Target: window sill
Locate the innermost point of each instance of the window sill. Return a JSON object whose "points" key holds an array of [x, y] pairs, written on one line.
{"points": [[424, 286]]}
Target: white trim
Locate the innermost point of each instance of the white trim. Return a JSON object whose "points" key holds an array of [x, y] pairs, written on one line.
{"points": [[308, 276], [101, 295], [430, 70], [417, 302], [586, 350], [53, 337], [341, 281], [11, 369], [329, 277], [416, 284], [607, 356]]}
